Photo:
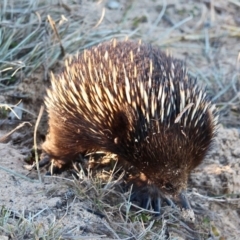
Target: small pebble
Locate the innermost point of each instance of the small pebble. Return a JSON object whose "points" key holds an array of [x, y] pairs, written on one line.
{"points": [[113, 5], [17, 112], [236, 152]]}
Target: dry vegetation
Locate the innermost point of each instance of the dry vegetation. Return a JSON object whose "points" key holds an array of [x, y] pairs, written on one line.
{"points": [[35, 36]]}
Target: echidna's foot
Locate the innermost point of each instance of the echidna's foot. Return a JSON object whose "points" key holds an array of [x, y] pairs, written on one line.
{"points": [[55, 166], [150, 201], [155, 203], [151, 198]]}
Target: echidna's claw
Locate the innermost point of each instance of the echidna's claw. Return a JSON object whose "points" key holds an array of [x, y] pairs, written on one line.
{"points": [[156, 205], [169, 202], [145, 202]]}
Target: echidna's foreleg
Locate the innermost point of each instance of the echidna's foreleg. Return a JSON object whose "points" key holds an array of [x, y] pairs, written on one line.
{"points": [[145, 202]]}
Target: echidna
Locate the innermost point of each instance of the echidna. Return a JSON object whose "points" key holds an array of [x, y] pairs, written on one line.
{"points": [[133, 100]]}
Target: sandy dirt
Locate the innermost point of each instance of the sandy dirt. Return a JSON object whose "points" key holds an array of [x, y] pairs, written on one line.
{"points": [[218, 176]]}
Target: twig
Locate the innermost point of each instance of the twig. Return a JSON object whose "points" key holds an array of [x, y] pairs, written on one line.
{"points": [[5, 137], [35, 142], [18, 174], [101, 18]]}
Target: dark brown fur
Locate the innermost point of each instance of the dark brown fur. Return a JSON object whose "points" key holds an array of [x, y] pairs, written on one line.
{"points": [[106, 99]]}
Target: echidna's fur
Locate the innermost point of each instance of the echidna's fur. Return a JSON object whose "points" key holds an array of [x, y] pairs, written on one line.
{"points": [[133, 100]]}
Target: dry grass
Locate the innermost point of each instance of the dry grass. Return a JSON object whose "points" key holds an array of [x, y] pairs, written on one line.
{"points": [[23, 225], [36, 35], [39, 33]]}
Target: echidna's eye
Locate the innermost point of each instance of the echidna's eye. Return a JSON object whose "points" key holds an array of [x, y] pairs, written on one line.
{"points": [[168, 186]]}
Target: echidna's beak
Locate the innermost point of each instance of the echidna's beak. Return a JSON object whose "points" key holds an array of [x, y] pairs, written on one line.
{"points": [[184, 201]]}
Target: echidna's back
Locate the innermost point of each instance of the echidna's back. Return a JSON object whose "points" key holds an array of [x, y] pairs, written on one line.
{"points": [[90, 92], [133, 100]]}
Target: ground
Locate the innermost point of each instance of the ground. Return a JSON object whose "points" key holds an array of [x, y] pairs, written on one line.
{"points": [[35, 39]]}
